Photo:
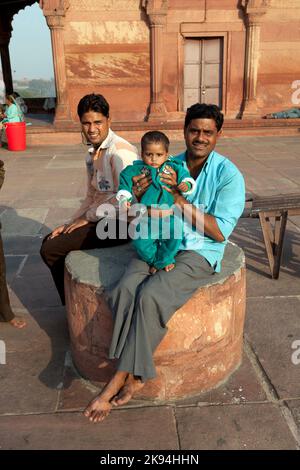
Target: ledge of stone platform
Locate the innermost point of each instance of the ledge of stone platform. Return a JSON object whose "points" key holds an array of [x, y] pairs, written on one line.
{"points": [[70, 134], [203, 345]]}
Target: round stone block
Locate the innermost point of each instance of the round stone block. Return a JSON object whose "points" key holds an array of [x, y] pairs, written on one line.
{"points": [[203, 345]]}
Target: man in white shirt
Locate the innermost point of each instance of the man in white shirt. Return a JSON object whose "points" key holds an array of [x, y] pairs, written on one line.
{"points": [[109, 155]]}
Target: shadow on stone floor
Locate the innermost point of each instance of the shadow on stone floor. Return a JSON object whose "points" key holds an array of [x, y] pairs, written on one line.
{"points": [[248, 235], [33, 296]]}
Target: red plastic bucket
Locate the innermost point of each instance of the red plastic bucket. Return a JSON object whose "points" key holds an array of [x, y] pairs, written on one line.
{"points": [[16, 135]]}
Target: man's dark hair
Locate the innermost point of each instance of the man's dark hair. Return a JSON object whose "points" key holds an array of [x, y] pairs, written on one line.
{"points": [[155, 137], [92, 102], [204, 111]]}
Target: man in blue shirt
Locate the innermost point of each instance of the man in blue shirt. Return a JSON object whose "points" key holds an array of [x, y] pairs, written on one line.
{"points": [[220, 188], [142, 304]]}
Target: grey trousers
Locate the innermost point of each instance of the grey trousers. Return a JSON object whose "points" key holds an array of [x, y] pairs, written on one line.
{"points": [[142, 304]]}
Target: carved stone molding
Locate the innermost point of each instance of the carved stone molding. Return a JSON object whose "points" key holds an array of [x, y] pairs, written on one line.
{"points": [[159, 6], [157, 19], [55, 21], [54, 7], [255, 10]]}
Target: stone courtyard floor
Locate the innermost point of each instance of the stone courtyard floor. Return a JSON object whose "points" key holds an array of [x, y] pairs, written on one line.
{"points": [[42, 398]]}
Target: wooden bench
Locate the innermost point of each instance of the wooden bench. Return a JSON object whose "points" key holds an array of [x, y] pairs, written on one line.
{"points": [[279, 208]]}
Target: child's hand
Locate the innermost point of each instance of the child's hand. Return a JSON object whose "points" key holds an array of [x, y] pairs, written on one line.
{"points": [[183, 187], [140, 184], [169, 178], [125, 204]]}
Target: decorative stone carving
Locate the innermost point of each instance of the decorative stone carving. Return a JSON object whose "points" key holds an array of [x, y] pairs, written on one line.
{"points": [[58, 7], [103, 5]]}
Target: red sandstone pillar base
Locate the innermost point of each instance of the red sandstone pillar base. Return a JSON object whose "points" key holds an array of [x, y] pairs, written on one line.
{"points": [[158, 112], [250, 110], [202, 347]]}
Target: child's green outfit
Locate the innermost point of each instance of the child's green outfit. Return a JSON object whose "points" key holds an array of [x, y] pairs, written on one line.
{"points": [[160, 237]]}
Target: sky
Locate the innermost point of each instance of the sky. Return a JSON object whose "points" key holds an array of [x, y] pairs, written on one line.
{"points": [[30, 45]]}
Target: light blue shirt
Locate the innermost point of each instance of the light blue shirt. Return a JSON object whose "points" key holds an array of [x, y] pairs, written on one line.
{"points": [[220, 191]]}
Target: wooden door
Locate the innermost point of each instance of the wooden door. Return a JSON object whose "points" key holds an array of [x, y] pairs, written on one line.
{"points": [[203, 62]]}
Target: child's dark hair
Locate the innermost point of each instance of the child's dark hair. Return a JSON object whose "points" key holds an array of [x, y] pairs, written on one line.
{"points": [[155, 137], [92, 102], [204, 111]]}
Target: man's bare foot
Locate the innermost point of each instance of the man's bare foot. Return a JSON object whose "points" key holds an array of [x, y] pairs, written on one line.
{"points": [[18, 322], [152, 270], [131, 386], [169, 267], [99, 408]]}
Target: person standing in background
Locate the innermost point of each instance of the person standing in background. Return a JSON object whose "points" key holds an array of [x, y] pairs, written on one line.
{"points": [[6, 313]]}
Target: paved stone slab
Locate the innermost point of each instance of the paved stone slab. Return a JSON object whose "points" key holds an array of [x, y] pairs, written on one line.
{"points": [[29, 381], [33, 266], [294, 406], [46, 330], [23, 221], [13, 264], [240, 427], [65, 164], [290, 170], [58, 216], [242, 386], [248, 236], [51, 203], [272, 324], [258, 185], [15, 188], [123, 430], [21, 245], [33, 293], [76, 393]]}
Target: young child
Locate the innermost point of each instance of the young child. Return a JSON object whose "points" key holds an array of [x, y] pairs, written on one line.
{"points": [[158, 249]]}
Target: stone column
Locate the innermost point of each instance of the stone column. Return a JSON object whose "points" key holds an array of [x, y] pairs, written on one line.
{"points": [[56, 25], [157, 111], [5, 61], [254, 17]]}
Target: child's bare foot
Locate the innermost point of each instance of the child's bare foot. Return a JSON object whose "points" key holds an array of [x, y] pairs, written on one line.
{"points": [[18, 322], [169, 267], [99, 408], [131, 386], [152, 270]]}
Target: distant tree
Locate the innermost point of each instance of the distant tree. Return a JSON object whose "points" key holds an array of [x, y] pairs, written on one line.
{"points": [[41, 87], [25, 92]]}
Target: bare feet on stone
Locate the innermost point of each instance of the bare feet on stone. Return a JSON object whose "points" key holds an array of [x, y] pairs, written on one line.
{"points": [[131, 386], [152, 270], [18, 322], [99, 408]]}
